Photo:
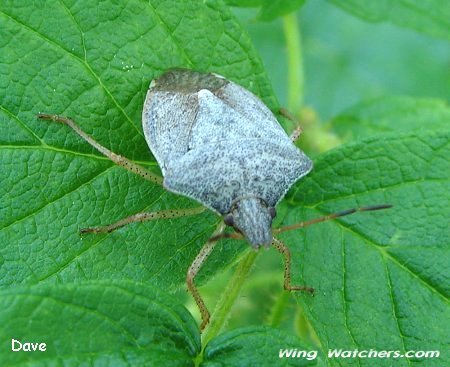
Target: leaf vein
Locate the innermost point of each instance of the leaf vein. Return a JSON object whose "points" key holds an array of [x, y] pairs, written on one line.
{"points": [[82, 62], [394, 310]]}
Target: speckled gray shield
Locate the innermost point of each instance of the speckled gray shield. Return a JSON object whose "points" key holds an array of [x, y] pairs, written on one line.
{"points": [[217, 143]]}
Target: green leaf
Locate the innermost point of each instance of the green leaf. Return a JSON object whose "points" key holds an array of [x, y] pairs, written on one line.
{"points": [[381, 278], [96, 323], [263, 344], [428, 16], [94, 62], [123, 323], [269, 9], [392, 114]]}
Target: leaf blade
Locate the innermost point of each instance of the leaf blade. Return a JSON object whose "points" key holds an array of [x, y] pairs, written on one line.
{"points": [[233, 347], [391, 114], [115, 323], [362, 265], [55, 182]]}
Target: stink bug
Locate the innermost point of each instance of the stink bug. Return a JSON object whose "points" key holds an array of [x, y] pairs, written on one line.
{"points": [[217, 143]]}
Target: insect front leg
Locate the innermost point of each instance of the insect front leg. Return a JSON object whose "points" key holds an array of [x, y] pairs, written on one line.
{"points": [[117, 159], [194, 269], [143, 217], [284, 250]]}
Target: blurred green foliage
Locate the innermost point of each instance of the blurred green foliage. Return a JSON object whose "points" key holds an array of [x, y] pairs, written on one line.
{"points": [[347, 60]]}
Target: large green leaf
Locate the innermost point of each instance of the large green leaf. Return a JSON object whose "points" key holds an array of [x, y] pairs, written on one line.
{"points": [[381, 278], [392, 115], [96, 323], [121, 324], [427, 16], [94, 62], [272, 347]]}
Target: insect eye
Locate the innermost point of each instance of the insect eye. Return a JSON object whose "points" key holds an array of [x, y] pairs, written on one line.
{"points": [[272, 212], [228, 220]]}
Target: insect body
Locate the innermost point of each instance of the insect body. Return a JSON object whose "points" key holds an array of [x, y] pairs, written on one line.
{"points": [[219, 144]]}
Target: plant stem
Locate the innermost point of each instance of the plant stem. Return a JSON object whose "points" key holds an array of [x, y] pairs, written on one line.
{"points": [[278, 309], [224, 305], [295, 62]]}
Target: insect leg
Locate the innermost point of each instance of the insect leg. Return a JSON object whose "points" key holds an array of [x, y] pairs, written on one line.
{"points": [[298, 129], [117, 159], [284, 250], [143, 217], [194, 269]]}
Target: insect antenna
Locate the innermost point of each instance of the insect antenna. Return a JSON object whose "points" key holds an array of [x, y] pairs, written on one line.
{"points": [[331, 216]]}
